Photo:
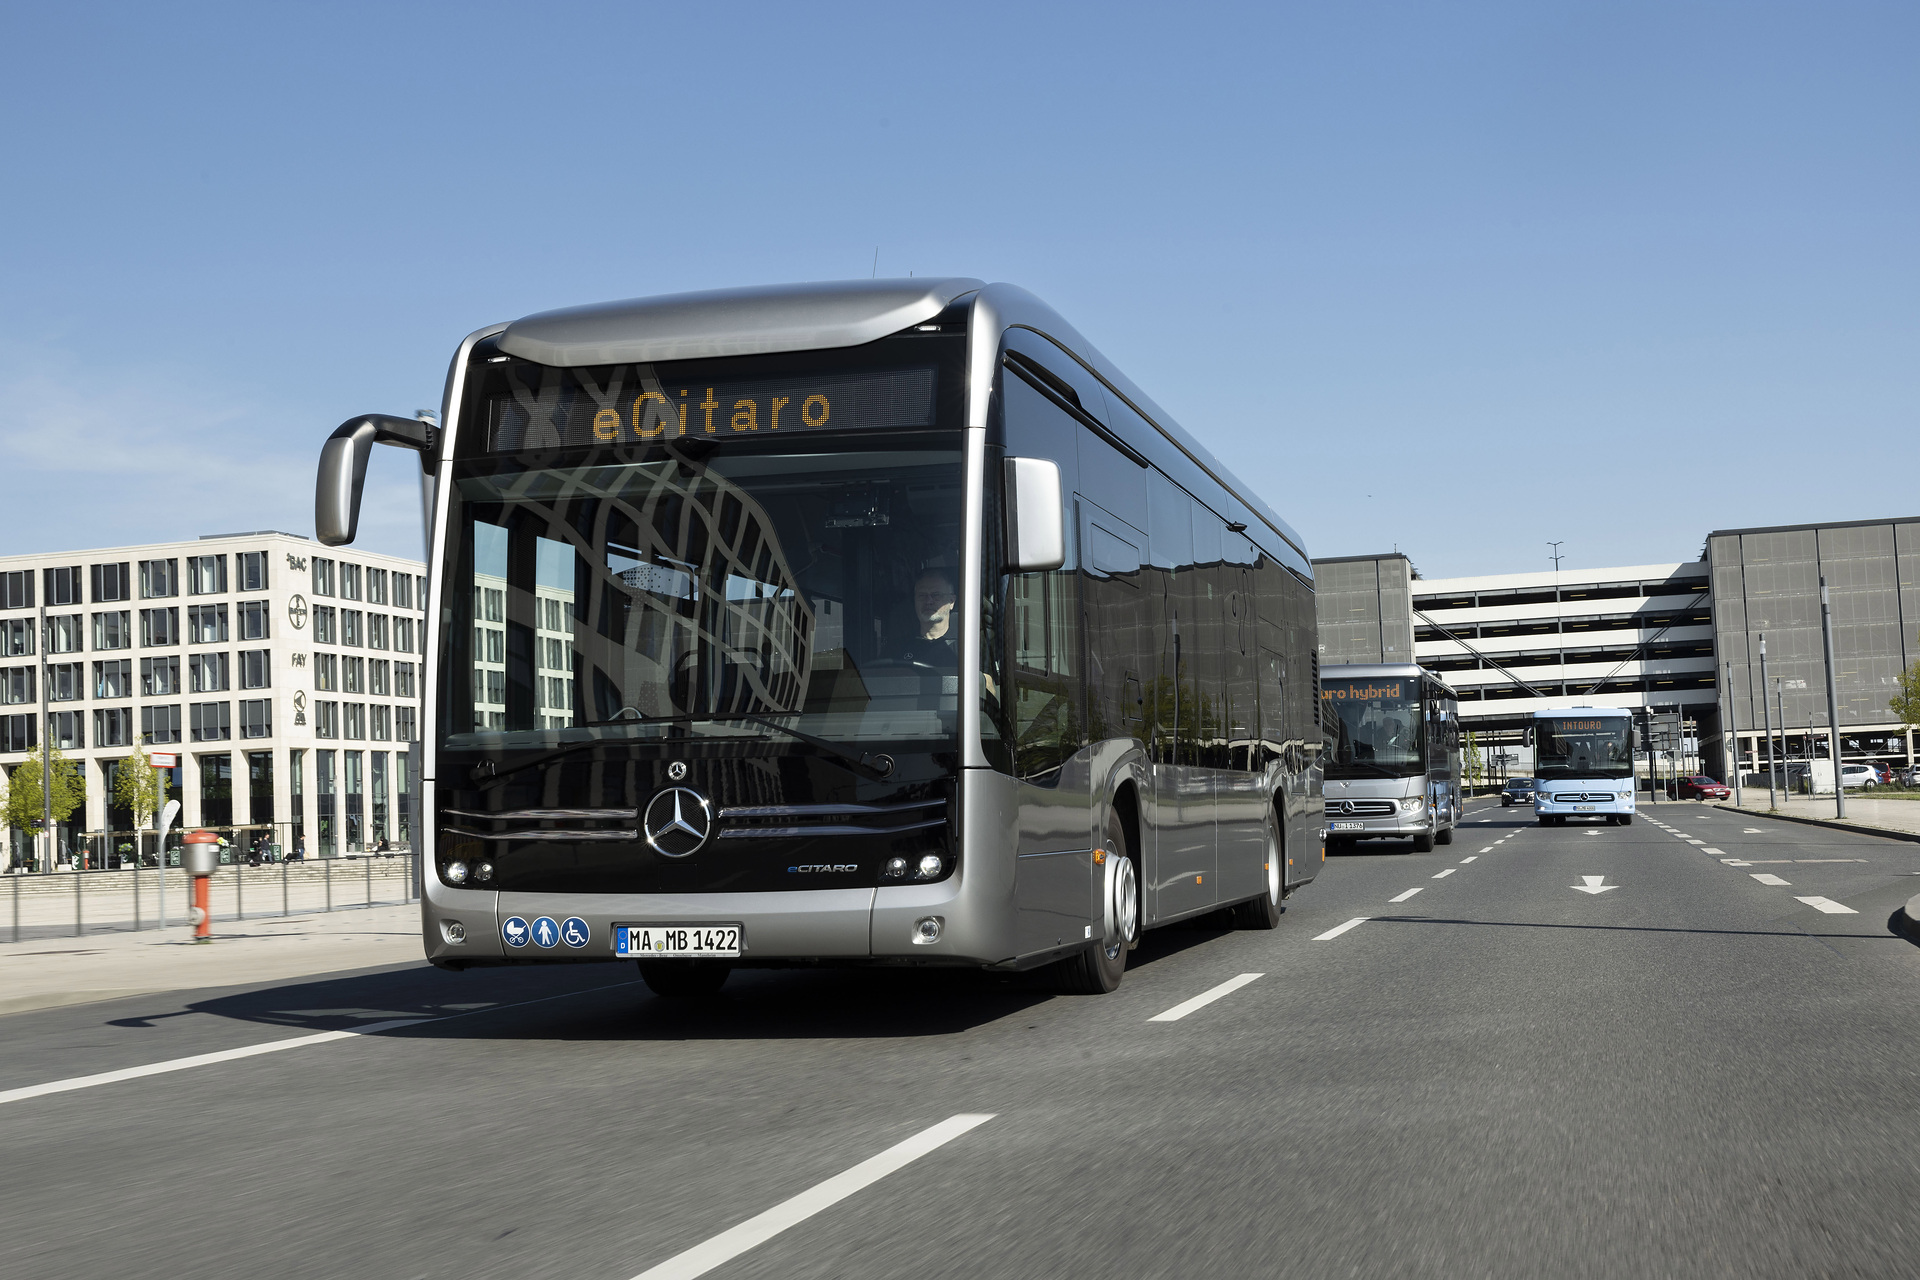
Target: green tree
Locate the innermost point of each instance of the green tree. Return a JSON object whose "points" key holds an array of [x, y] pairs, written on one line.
{"points": [[23, 805], [137, 787], [1473, 760], [1906, 703]]}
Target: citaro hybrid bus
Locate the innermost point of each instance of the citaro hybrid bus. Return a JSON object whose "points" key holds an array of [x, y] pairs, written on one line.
{"points": [[882, 622]]}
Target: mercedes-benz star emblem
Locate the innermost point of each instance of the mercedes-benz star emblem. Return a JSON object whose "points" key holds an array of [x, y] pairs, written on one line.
{"points": [[677, 822], [677, 770]]}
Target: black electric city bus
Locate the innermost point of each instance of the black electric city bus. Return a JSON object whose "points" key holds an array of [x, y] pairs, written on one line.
{"points": [[876, 622]]}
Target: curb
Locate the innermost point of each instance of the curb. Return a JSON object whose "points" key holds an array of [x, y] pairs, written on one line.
{"points": [[1902, 925], [1858, 828]]}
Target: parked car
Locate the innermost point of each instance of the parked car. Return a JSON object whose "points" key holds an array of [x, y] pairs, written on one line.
{"points": [[1517, 791], [1698, 787], [1909, 777], [1859, 775]]}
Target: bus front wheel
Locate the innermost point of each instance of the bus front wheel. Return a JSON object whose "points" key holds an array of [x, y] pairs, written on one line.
{"points": [[1097, 968]]}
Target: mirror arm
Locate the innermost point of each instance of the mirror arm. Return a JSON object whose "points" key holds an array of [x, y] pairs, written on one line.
{"points": [[343, 468]]}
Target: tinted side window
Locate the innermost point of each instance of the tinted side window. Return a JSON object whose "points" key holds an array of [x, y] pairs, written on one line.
{"points": [[1042, 610]]}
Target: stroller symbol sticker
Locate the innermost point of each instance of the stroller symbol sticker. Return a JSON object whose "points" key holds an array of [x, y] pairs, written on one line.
{"points": [[514, 931]]}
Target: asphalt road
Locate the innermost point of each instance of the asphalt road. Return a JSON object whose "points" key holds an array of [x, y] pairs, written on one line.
{"points": [[1694, 1072]]}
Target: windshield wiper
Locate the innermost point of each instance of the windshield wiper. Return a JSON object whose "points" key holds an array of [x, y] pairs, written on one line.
{"points": [[1379, 770], [875, 766]]}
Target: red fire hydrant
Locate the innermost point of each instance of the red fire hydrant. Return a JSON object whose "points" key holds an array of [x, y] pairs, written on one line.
{"points": [[200, 854]]}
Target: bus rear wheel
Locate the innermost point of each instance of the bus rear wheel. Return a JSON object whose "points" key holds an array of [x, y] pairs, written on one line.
{"points": [[1264, 912], [684, 979], [1098, 967]]}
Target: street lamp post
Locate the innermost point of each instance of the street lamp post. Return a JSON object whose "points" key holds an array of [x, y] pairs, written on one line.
{"points": [[1766, 716], [1733, 724], [1833, 703]]}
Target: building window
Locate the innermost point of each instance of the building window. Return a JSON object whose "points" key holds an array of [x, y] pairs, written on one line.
{"points": [[63, 586], [159, 579], [256, 718], [356, 800], [376, 586], [356, 726], [381, 728], [113, 727], [17, 733], [403, 634], [216, 790], [403, 679], [349, 582], [207, 673], [420, 598], [66, 681], [350, 627], [111, 582], [490, 604], [253, 619], [378, 765], [254, 669], [322, 577], [376, 631], [297, 792], [326, 672], [354, 673], [67, 730], [160, 724], [326, 719], [17, 686], [159, 628], [251, 568], [403, 724], [113, 630], [16, 638], [206, 575], [207, 624], [160, 677], [380, 677], [16, 589], [323, 632], [326, 785], [65, 634], [113, 680], [403, 591], [212, 721]]}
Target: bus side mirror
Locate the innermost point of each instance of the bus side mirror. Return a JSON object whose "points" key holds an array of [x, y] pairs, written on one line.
{"points": [[1036, 530], [343, 468]]}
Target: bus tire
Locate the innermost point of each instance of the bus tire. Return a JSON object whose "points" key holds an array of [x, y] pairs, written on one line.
{"points": [[1264, 912], [1098, 967], [1626, 819], [684, 979], [1444, 836], [1423, 843]]}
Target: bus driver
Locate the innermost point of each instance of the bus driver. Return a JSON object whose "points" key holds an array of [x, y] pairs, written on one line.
{"points": [[935, 637]]}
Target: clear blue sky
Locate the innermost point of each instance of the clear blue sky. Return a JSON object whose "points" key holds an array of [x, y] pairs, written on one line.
{"points": [[1392, 262]]}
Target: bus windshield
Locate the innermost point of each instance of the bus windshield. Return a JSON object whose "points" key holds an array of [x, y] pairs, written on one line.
{"points": [[649, 598], [1590, 747], [1380, 725]]}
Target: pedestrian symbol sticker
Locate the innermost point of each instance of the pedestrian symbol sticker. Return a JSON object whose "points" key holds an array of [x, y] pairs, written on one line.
{"points": [[545, 931], [514, 931], [574, 932]]}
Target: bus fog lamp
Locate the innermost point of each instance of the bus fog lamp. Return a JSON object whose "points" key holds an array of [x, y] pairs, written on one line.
{"points": [[926, 930], [453, 931], [896, 867], [456, 873], [483, 872], [930, 866]]}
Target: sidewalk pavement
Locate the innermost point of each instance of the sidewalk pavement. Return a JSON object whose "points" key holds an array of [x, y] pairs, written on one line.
{"points": [[48, 973], [1879, 817]]}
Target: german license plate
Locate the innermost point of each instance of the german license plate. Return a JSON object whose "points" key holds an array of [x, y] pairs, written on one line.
{"points": [[1348, 826], [1583, 808], [677, 941]]}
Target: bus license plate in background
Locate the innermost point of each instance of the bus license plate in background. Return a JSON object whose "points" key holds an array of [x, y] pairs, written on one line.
{"points": [[650, 941], [1583, 808], [1348, 826]]}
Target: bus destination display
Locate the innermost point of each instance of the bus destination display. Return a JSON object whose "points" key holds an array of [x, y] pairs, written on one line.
{"points": [[549, 408]]}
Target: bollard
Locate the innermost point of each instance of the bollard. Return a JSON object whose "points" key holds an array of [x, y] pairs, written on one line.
{"points": [[369, 879], [327, 863], [200, 854], [239, 887], [283, 888], [78, 929]]}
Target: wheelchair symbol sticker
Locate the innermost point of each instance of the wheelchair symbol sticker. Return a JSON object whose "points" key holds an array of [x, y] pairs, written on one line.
{"points": [[575, 933], [514, 931], [545, 932]]}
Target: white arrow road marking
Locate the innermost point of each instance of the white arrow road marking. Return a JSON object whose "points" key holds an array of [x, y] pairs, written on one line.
{"points": [[1444, 874], [1593, 885], [1767, 877], [1829, 906], [1408, 894], [1205, 998], [757, 1230], [1593, 833], [1339, 929]]}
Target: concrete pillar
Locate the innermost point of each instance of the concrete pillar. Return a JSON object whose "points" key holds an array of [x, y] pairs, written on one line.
{"points": [[189, 786]]}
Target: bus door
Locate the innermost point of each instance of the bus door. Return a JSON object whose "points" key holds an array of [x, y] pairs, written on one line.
{"points": [[1181, 812]]}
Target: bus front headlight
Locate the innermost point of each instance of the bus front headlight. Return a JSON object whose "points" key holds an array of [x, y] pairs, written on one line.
{"points": [[1412, 803]]}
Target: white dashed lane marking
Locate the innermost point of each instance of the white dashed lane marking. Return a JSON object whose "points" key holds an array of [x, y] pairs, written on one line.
{"points": [[1408, 894], [1205, 998], [1444, 874], [1470, 857], [1339, 929], [1829, 906], [1767, 877]]}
